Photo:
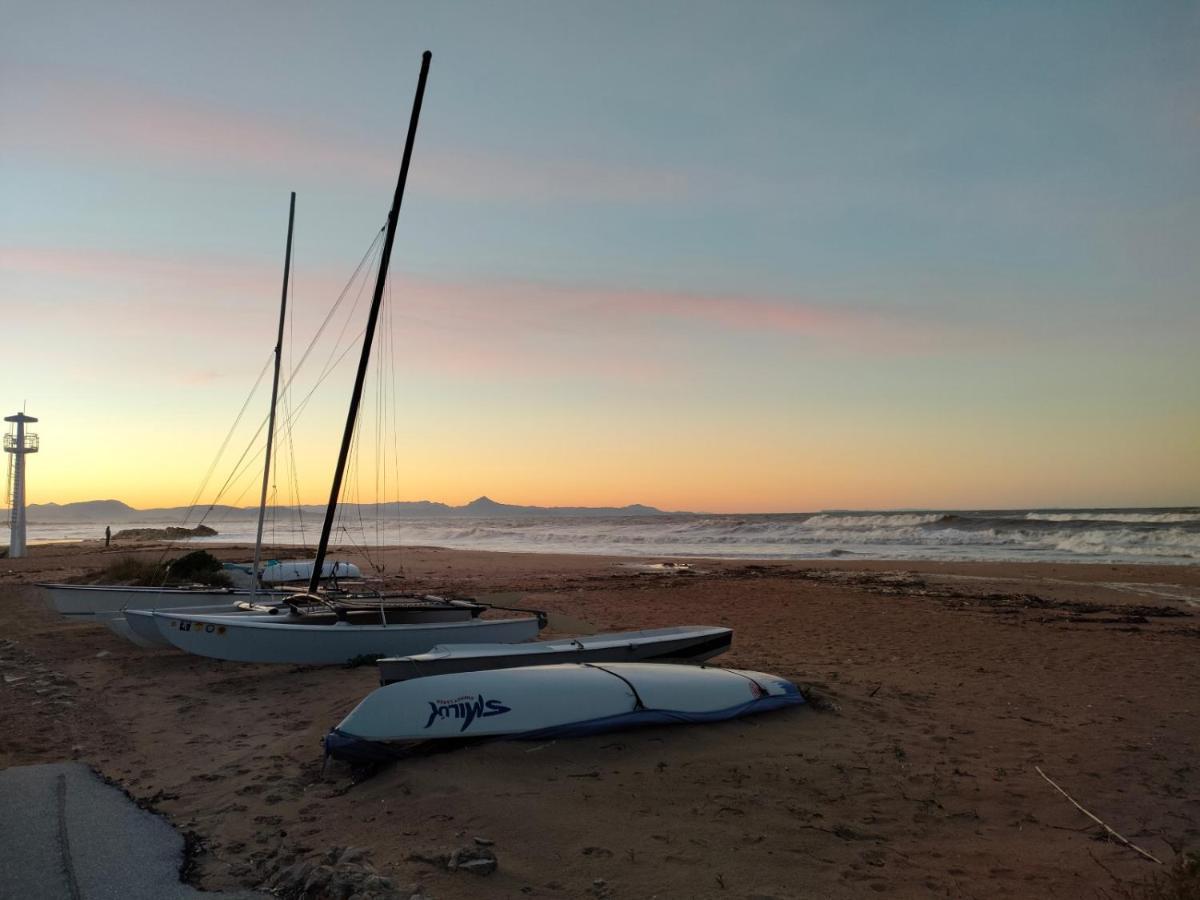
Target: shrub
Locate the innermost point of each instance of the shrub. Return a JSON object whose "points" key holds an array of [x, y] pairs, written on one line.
{"points": [[198, 566]]}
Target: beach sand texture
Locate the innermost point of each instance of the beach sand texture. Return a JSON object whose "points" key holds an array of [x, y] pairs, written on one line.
{"points": [[942, 686]]}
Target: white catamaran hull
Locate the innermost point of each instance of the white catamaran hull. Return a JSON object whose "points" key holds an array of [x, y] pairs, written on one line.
{"points": [[117, 624], [541, 702], [143, 630], [89, 599], [239, 639], [694, 644]]}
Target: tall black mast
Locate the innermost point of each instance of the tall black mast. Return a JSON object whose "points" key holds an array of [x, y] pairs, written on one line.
{"points": [[369, 337], [262, 503]]}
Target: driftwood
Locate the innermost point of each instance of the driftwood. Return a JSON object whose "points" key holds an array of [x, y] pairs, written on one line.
{"points": [[1120, 838]]}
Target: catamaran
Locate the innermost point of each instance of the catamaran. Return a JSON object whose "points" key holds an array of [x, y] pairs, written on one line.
{"points": [[248, 582], [322, 628]]}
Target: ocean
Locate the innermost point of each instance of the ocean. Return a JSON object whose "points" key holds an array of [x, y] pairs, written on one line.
{"points": [[1095, 535]]}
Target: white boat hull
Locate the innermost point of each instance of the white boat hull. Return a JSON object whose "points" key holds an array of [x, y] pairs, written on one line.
{"points": [[542, 702], [117, 624], [241, 639], [89, 599], [287, 571], [143, 630], [692, 644]]}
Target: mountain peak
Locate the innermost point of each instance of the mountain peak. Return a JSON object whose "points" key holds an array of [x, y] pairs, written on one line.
{"points": [[484, 502]]}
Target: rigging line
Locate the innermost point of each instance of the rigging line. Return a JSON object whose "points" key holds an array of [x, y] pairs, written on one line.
{"points": [[304, 401], [350, 540], [293, 474], [358, 506], [239, 469], [396, 450], [346, 323], [332, 363], [225, 443], [371, 250], [380, 415], [388, 384], [288, 336], [294, 482], [353, 493]]}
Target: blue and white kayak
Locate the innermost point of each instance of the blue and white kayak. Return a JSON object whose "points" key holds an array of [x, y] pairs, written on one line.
{"points": [[287, 571], [681, 643], [544, 702]]}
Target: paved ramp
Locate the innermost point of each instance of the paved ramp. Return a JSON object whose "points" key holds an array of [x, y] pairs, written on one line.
{"points": [[66, 835]]}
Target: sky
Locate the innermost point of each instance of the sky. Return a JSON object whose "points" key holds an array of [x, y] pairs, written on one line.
{"points": [[704, 256]]}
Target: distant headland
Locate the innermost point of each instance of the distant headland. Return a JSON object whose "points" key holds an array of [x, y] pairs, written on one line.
{"points": [[170, 533]]}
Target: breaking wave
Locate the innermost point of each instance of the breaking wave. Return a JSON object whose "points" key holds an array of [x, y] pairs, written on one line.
{"points": [[1161, 536], [1148, 518], [874, 520]]}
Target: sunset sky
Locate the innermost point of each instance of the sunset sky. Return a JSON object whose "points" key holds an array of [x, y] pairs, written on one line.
{"points": [[707, 256]]}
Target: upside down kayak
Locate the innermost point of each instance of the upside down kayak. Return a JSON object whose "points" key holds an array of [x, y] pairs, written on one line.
{"points": [[543, 702]]}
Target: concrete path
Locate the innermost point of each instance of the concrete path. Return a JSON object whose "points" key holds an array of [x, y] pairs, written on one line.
{"points": [[66, 835]]}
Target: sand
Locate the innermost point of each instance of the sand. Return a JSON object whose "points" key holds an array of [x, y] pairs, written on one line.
{"points": [[943, 686]]}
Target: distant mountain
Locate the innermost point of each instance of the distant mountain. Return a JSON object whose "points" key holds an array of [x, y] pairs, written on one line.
{"points": [[84, 511], [116, 512], [486, 506]]}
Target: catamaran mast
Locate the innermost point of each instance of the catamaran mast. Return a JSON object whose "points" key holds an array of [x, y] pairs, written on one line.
{"points": [[262, 503], [369, 336]]}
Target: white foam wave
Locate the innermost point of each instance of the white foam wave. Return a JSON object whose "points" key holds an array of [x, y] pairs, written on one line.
{"points": [[882, 535], [873, 520], [1128, 518]]}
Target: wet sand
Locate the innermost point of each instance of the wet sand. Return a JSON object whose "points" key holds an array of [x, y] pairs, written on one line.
{"points": [[942, 686]]}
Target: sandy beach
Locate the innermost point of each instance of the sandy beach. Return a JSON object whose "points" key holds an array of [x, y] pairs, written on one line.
{"points": [[939, 687]]}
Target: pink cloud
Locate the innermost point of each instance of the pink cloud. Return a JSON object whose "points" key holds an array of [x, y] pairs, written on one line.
{"points": [[507, 309], [48, 113], [504, 328]]}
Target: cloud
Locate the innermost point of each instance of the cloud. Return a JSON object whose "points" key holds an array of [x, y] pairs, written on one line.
{"points": [[512, 311], [50, 114], [214, 309]]}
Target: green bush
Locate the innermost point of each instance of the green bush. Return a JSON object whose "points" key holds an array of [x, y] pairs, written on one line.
{"points": [[198, 567]]}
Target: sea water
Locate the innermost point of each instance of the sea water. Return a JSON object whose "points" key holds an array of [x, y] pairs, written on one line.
{"points": [[1098, 535]]}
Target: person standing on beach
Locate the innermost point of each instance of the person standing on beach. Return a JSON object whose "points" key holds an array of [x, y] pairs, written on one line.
{"points": [[107, 535]]}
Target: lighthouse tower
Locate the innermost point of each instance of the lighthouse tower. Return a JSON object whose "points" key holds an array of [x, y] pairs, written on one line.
{"points": [[18, 445]]}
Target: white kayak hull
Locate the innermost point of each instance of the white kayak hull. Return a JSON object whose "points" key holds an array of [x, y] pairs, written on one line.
{"points": [[89, 599], [287, 571], [544, 702], [241, 639], [692, 643]]}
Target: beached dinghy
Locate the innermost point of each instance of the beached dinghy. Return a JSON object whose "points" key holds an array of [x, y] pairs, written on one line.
{"points": [[331, 641], [407, 609], [103, 600], [543, 702], [114, 621], [686, 643], [90, 599], [342, 632]]}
